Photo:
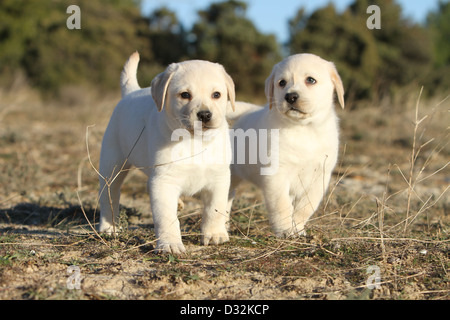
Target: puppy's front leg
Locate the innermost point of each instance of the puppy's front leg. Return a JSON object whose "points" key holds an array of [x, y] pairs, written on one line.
{"points": [[280, 209], [308, 203], [164, 202], [215, 215]]}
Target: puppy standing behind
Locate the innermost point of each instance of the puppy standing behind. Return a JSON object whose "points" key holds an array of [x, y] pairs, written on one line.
{"points": [[177, 134], [300, 94]]}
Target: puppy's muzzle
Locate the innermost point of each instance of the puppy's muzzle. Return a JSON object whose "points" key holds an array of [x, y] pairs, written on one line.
{"points": [[204, 116]]}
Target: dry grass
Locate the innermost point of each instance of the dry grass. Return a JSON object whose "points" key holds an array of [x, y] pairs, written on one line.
{"points": [[388, 207]]}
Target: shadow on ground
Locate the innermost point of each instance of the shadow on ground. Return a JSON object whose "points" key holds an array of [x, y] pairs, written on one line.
{"points": [[32, 214]]}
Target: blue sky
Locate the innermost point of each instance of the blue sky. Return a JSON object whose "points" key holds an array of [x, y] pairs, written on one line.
{"points": [[271, 16]]}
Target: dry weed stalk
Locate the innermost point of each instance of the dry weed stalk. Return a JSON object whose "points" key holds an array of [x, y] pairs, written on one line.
{"points": [[414, 155], [381, 208], [413, 180]]}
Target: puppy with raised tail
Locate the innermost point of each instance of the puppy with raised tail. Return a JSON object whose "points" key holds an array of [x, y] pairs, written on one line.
{"points": [[300, 93], [175, 132]]}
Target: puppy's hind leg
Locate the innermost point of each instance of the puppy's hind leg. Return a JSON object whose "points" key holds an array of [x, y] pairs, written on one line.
{"points": [[235, 180], [111, 179]]}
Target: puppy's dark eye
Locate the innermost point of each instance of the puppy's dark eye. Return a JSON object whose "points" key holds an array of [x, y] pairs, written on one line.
{"points": [[282, 83], [216, 95], [310, 80], [186, 95]]}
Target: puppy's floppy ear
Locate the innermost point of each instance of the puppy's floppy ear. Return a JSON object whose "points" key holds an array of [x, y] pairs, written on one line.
{"points": [[230, 88], [160, 84], [338, 86], [269, 87]]}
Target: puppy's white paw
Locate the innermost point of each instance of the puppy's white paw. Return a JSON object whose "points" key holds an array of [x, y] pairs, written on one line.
{"points": [[108, 228], [214, 234], [215, 238], [291, 232], [172, 248]]}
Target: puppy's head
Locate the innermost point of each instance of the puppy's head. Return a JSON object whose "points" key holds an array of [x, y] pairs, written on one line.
{"points": [[193, 91], [301, 87]]}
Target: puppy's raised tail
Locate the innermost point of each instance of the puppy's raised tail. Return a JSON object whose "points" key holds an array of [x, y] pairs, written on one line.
{"points": [[128, 79]]}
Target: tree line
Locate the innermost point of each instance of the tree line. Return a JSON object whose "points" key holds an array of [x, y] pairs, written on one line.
{"points": [[373, 63]]}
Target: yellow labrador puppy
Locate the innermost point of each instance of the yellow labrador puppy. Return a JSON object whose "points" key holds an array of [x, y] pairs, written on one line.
{"points": [[300, 126], [177, 134]]}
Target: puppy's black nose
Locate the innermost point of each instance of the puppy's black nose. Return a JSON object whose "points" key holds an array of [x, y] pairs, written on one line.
{"points": [[291, 97], [204, 116]]}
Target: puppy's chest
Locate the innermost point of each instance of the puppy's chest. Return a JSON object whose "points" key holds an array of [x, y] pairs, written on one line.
{"points": [[199, 152], [305, 150], [192, 165], [194, 178]]}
